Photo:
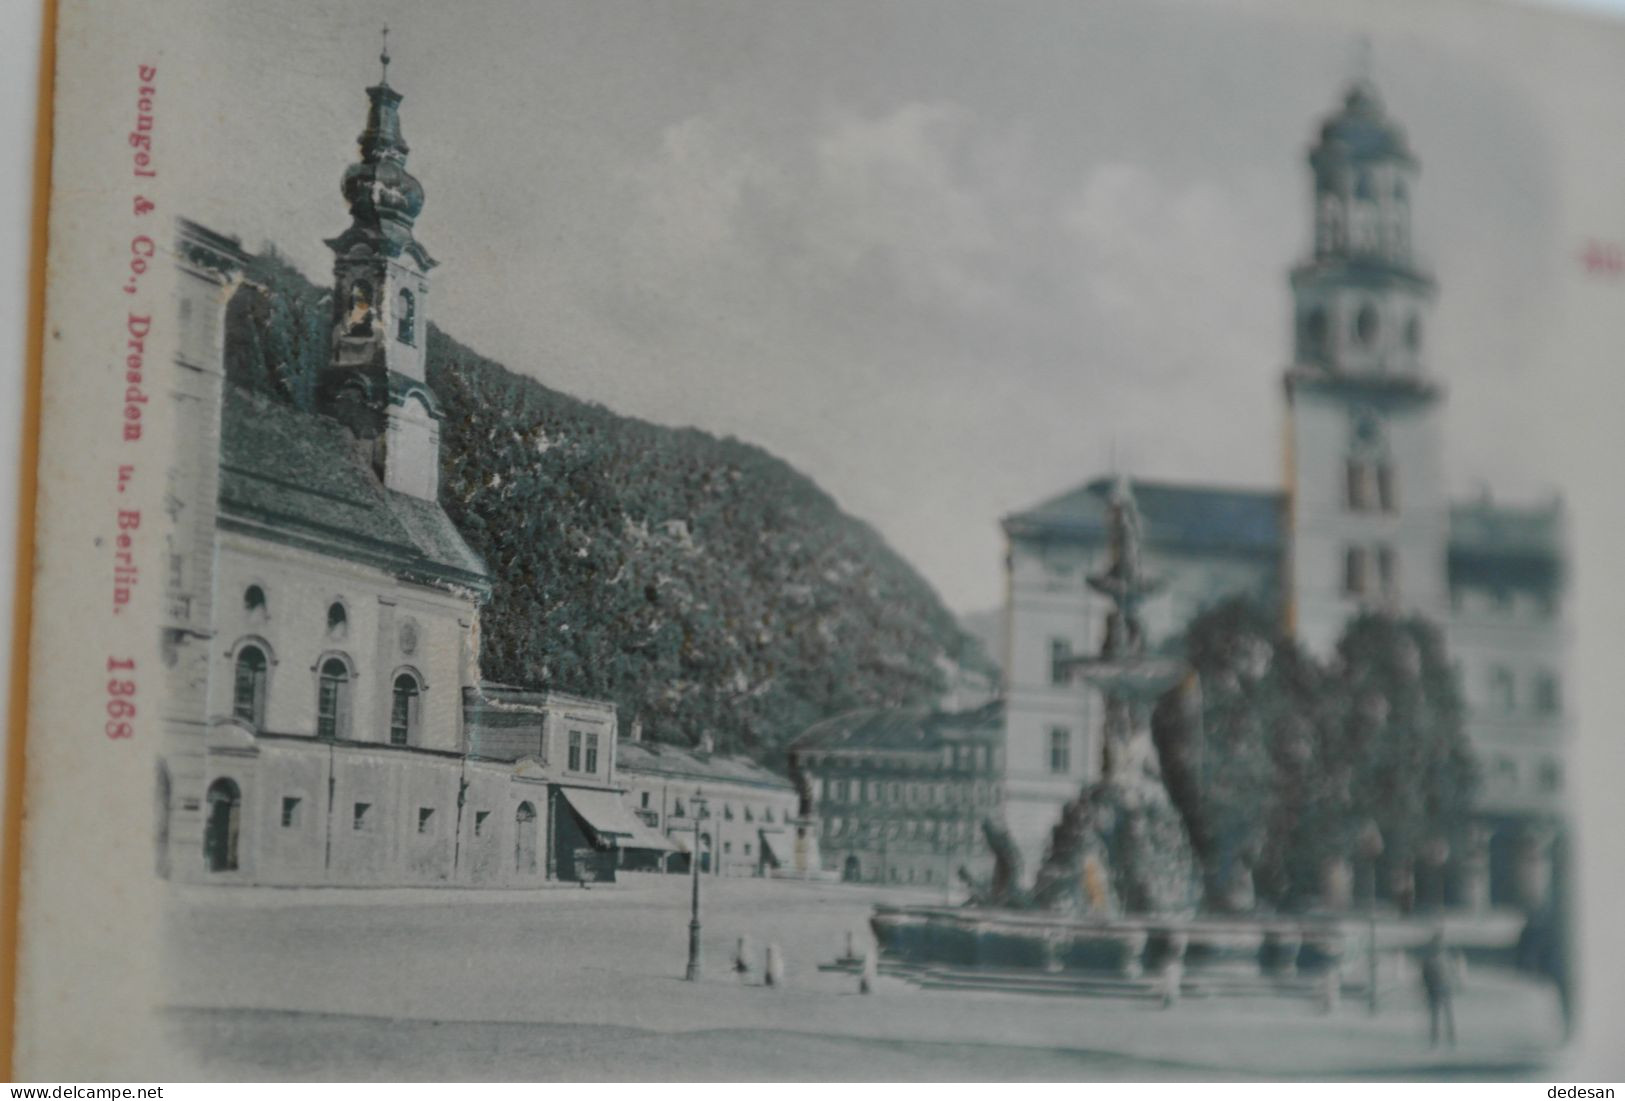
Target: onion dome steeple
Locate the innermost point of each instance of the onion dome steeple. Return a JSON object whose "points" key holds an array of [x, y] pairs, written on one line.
{"points": [[375, 382], [385, 199]]}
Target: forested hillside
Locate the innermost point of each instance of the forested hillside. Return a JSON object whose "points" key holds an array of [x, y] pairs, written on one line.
{"points": [[701, 583]]}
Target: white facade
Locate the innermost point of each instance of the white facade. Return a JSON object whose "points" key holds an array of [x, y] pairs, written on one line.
{"points": [[1052, 720], [281, 600], [749, 827], [1362, 523], [1369, 515]]}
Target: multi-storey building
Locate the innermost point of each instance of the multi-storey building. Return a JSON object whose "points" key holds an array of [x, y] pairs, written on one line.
{"points": [[748, 825], [900, 796], [325, 719], [1363, 522]]}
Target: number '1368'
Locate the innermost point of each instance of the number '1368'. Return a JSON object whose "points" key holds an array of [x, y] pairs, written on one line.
{"points": [[120, 699]]}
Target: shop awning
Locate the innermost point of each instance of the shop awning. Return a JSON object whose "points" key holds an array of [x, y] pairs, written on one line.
{"points": [[775, 846], [646, 838], [604, 814]]}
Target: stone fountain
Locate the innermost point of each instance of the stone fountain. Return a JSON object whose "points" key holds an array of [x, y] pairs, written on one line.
{"points": [[1119, 885]]}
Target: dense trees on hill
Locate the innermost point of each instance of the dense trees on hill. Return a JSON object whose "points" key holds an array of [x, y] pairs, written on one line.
{"points": [[700, 583]]}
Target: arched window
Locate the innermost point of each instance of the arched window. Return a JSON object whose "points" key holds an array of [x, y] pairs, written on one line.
{"points": [[248, 691], [406, 317], [1363, 188], [1331, 223], [333, 700], [403, 714], [254, 602], [338, 620], [1365, 326], [359, 321], [1315, 333]]}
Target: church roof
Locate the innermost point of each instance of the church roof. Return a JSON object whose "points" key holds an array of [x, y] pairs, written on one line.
{"points": [[301, 478], [1174, 516], [916, 729]]}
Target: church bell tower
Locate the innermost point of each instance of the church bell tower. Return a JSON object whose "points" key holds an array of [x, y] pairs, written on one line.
{"points": [[1367, 508], [375, 380]]}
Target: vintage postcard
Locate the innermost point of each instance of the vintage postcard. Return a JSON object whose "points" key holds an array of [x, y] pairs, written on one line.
{"points": [[884, 540]]}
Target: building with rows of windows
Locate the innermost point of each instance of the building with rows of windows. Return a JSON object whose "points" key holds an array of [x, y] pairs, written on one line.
{"points": [[747, 815], [900, 796], [1363, 522], [325, 719]]}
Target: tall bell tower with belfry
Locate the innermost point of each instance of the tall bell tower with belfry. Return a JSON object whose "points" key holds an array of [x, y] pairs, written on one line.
{"points": [[1366, 501], [375, 380]]}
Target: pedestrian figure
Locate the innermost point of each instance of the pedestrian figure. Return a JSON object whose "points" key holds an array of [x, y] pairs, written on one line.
{"points": [[1173, 975], [773, 974], [1331, 989], [742, 957], [1437, 981], [866, 980]]}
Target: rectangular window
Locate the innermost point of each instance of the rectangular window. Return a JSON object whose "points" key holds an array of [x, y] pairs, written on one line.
{"points": [[1388, 571], [425, 819], [644, 800], [1354, 564], [1551, 775], [1387, 489], [592, 753], [362, 816], [1060, 750], [1502, 692], [290, 812], [727, 846], [479, 822], [1548, 699], [1060, 655], [575, 751], [1357, 489]]}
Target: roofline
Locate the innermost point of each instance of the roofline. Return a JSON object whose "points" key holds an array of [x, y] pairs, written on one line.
{"points": [[1104, 481], [776, 783], [376, 553]]}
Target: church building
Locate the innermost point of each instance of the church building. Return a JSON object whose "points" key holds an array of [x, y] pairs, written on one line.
{"points": [[325, 718], [1363, 522]]}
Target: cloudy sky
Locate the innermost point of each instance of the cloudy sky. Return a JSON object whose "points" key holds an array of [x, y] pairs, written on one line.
{"points": [[947, 258]]}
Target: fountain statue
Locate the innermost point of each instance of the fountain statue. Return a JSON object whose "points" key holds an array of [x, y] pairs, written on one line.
{"points": [[1120, 846]]}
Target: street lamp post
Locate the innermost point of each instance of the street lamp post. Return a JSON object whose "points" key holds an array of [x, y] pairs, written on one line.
{"points": [[1370, 844], [694, 899]]}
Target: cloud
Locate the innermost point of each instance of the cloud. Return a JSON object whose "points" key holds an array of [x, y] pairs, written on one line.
{"points": [[881, 297], [905, 207]]}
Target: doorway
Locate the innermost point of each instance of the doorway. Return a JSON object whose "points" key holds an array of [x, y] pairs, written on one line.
{"points": [[220, 835]]}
